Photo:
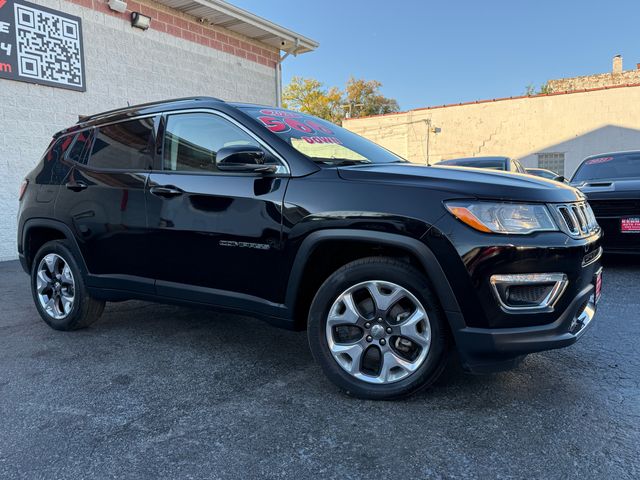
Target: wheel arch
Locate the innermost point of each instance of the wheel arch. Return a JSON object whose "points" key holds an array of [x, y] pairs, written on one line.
{"points": [[38, 231], [303, 281]]}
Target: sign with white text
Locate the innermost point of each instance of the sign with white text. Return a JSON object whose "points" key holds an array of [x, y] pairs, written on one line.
{"points": [[40, 45]]}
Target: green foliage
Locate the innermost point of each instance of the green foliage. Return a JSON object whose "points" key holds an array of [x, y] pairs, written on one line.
{"points": [[309, 96], [360, 98], [543, 90]]}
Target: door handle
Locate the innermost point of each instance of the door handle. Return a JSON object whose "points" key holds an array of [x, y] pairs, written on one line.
{"points": [[76, 186], [166, 191]]}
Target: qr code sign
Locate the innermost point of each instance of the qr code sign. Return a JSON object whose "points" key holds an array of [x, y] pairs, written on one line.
{"points": [[48, 47]]}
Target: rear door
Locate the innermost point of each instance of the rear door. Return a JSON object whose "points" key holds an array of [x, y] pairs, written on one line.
{"points": [[103, 201], [213, 232]]}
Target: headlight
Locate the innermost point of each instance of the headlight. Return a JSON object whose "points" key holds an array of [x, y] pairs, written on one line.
{"points": [[512, 218]]}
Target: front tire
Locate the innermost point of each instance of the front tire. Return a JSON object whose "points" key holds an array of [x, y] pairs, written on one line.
{"points": [[59, 291], [376, 329]]}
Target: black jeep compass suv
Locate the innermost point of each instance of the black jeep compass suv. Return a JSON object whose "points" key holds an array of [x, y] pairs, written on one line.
{"points": [[388, 265]]}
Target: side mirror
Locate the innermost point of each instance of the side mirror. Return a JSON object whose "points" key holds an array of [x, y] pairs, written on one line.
{"points": [[560, 179], [243, 159]]}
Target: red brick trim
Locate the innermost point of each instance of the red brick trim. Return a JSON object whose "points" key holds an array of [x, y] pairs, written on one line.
{"points": [[187, 27], [502, 99]]}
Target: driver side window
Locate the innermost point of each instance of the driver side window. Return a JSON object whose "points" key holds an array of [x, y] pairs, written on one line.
{"points": [[192, 140]]}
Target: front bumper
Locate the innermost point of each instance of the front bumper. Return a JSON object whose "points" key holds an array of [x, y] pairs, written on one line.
{"points": [[486, 350], [489, 337]]}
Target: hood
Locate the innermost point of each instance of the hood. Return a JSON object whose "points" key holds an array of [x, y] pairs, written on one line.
{"points": [[611, 188], [464, 182]]}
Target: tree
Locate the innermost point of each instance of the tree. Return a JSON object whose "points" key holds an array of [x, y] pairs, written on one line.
{"points": [[359, 99], [308, 95], [365, 99]]}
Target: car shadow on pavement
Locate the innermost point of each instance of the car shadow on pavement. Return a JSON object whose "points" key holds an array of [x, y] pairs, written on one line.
{"points": [[260, 354]]}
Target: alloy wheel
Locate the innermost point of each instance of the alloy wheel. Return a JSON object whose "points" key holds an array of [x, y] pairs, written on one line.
{"points": [[378, 332], [55, 286]]}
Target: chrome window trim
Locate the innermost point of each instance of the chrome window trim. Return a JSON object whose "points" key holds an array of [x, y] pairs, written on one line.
{"points": [[283, 169], [547, 304], [98, 125], [96, 132]]}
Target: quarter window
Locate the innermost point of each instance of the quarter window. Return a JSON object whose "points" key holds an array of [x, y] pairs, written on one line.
{"points": [[192, 140], [124, 146], [78, 147]]}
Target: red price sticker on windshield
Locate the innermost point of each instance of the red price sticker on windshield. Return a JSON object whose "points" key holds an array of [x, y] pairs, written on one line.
{"points": [[595, 161], [279, 121], [279, 113], [298, 125], [274, 124], [335, 140]]}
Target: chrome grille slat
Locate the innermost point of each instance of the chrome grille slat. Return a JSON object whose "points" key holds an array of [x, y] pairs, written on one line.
{"points": [[576, 219]]}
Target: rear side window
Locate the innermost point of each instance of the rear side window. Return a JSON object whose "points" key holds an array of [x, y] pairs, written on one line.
{"points": [[124, 146], [78, 147], [54, 169]]}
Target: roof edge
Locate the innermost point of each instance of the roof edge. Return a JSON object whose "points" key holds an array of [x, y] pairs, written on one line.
{"points": [[500, 99], [304, 44]]}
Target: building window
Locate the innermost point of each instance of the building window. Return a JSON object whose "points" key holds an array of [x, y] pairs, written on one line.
{"points": [[552, 161]]}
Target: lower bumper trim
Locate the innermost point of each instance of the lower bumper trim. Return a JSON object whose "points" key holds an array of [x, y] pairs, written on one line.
{"points": [[484, 349]]}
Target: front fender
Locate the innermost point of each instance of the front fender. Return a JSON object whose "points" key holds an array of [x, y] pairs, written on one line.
{"points": [[412, 246]]}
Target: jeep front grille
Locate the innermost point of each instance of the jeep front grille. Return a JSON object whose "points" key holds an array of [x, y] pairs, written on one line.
{"points": [[576, 219]]}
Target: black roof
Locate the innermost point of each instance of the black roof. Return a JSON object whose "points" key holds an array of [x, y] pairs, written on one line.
{"points": [[145, 108]]}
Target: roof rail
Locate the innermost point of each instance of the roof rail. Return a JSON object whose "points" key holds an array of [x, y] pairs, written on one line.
{"points": [[86, 118]]}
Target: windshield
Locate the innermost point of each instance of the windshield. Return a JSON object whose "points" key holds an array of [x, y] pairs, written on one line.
{"points": [[621, 165], [542, 173], [496, 164], [321, 141]]}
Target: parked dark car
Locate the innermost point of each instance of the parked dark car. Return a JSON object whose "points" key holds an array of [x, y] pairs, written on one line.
{"points": [[611, 181], [387, 264], [544, 173], [492, 163]]}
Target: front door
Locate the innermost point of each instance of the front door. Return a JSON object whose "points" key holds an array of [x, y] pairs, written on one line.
{"points": [[212, 232]]}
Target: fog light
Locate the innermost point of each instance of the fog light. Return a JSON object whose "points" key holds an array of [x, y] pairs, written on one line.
{"points": [[528, 292]]}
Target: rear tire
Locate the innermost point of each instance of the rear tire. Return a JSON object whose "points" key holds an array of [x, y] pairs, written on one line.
{"points": [[394, 341], [59, 291]]}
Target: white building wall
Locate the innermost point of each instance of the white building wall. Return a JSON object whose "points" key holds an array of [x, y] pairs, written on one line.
{"points": [[576, 125], [122, 64]]}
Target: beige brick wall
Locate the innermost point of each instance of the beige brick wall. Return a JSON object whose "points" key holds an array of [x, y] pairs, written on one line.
{"points": [[576, 124]]}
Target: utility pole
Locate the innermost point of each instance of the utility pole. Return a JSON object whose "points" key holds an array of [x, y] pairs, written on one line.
{"points": [[430, 129], [348, 107]]}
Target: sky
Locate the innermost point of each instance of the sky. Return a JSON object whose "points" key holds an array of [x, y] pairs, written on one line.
{"points": [[437, 52]]}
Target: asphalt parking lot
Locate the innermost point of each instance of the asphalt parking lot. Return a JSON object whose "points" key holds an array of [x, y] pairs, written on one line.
{"points": [[154, 391]]}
